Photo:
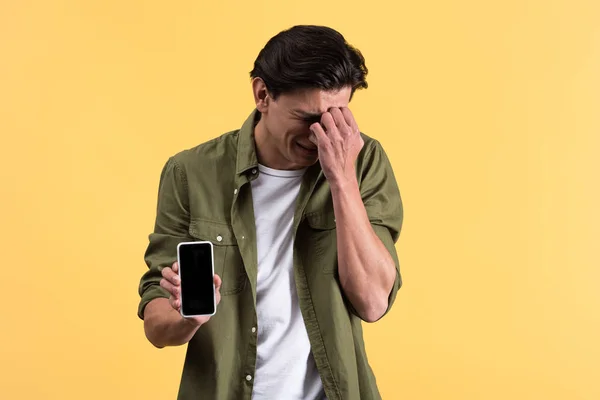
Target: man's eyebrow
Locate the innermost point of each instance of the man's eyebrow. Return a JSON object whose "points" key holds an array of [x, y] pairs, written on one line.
{"points": [[307, 115]]}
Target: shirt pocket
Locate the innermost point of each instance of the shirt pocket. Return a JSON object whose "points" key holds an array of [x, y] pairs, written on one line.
{"points": [[227, 258], [323, 240]]}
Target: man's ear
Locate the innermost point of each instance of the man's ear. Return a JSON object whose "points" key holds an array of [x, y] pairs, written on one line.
{"points": [[262, 98]]}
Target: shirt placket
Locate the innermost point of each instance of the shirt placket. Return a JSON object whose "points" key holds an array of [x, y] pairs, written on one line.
{"points": [[304, 297], [244, 229]]}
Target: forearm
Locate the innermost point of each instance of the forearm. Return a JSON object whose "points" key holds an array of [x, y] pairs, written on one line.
{"points": [[164, 326], [366, 269]]}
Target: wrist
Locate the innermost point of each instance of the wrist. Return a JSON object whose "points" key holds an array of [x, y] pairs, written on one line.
{"points": [[343, 184], [191, 323]]}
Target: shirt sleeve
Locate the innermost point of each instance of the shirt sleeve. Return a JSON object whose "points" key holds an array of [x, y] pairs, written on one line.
{"points": [[170, 228], [381, 197]]}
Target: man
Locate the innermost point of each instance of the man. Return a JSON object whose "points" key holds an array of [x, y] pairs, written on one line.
{"points": [[303, 211]]}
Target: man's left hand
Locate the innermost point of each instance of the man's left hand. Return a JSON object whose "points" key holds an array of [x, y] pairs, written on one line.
{"points": [[338, 144]]}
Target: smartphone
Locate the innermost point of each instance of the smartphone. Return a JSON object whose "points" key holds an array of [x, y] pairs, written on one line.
{"points": [[196, 272]]}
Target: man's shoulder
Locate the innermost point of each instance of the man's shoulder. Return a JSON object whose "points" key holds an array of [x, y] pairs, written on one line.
{"points": [[209, 153], [370, 144]]}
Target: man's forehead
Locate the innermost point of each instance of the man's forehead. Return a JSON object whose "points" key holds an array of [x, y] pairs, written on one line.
{"points": [[314, 102]]}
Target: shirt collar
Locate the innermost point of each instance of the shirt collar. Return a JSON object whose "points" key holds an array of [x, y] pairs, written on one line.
{"points": [[246, 147]]}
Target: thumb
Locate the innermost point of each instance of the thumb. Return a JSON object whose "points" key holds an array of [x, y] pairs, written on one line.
{"points": [[217, 282]]}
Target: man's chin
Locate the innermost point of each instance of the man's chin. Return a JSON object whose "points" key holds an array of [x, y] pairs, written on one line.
{"points": [[307, 160]]}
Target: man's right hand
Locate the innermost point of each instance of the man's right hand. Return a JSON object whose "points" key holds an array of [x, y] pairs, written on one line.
{"points": [[172, 284]]}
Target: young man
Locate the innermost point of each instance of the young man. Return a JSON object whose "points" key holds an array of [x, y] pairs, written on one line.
{"points": [[303, 211]]}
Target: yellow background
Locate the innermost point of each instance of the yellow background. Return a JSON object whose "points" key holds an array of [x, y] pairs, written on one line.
{"points": [[487, 109]]}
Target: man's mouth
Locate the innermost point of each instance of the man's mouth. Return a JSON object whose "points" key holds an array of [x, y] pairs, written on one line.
{"points": [[311, 147]]}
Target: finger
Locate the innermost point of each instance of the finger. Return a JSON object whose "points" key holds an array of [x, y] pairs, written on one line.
{"points": [[343, 129], [350, 120], [313, 137], [169, 287], [319, 137], [175, 302], [175, 267], [328, 122], [171, 276], [218, 282], [338, 117], [335, 133]]}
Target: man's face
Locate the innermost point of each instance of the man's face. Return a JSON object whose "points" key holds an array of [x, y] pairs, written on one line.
{"points": [[282, 140]]}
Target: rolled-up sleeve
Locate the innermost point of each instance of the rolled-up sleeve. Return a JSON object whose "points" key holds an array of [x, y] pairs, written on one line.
{"points": [[170, 228], [381, 197]]}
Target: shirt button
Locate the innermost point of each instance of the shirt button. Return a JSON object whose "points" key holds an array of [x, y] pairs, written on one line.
{"points": [[248, 378], [254, 171], [243, 237], [234, 191], [219, 238], [253, 329]]}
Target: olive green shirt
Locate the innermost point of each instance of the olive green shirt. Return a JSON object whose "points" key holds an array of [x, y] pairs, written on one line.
{"points": [[205, 194]]}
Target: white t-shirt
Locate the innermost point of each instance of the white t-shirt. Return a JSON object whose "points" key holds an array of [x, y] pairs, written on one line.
{"points": [[285, 368]]}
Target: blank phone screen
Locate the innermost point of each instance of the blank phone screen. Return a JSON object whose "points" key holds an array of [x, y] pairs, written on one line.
{"points": [[195, 269]]}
